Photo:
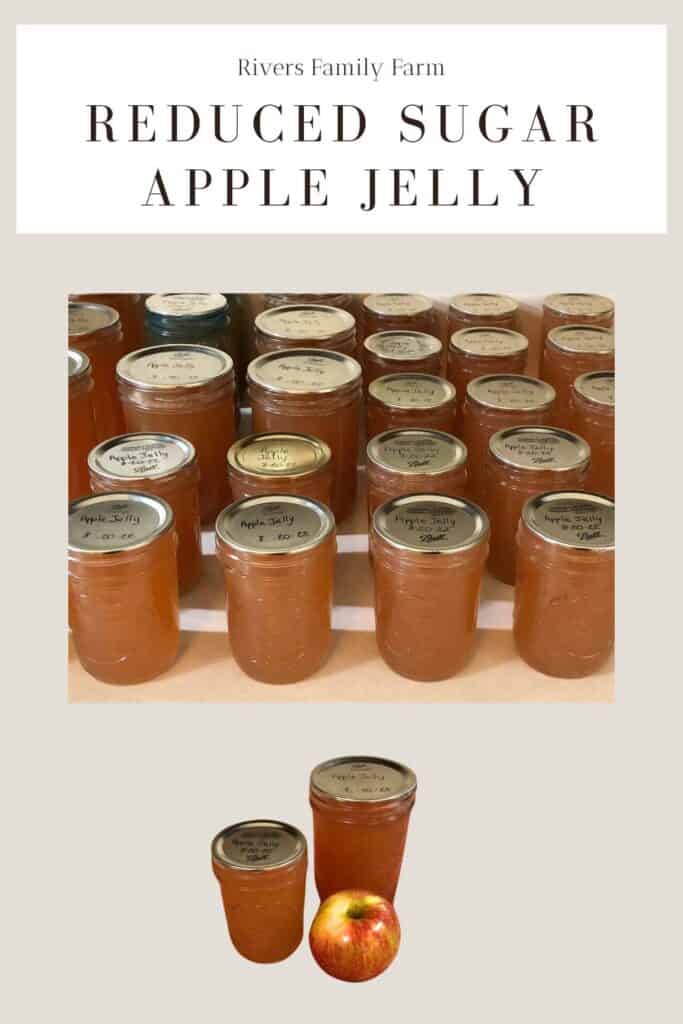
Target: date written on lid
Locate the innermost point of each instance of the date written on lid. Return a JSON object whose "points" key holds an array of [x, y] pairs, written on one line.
{"points": [[304, 371], [489, 341], [539, 448], [483, 304], [597, 386], [511, 391], [278, 454], [174, 366], [402, 344], [107, 524], [87, 317], [265, 526], [258, 845], [363, 779], [396, 304], [579, 304], [431, 523], [138, 456], [304, 322], [186, 304], [412, 391], [416, 451], [572, 519], [578, 338]]}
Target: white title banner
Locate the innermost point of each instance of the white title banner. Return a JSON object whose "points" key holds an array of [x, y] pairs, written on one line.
{"points": [[448, 129]]}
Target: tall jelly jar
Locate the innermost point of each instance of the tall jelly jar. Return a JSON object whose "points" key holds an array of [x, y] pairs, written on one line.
{"points": [[563, 618], [160, 464], [414, 462], [96, 331], [400, 352], [82, 433], [569, 352], [187, 390], [592, 416], [361, 809], [260, 866], [305, 326], [123, 586], [392, 311], [278, 554], [401, 400], [280, 464], [523, 462], [428, 553], [309, 391], [476, 351]]}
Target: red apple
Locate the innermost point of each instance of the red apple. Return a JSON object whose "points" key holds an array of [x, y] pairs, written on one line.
{"points": [[355, 935]]}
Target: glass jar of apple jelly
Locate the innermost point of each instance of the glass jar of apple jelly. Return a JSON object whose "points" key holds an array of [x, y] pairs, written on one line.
{"points": [[396, 312], [493, 402], [82, 435], [414, 462], [569, 352], [562, 308], [261, 869], [481, 309], [316, 392], [277, 554], [476, 351], [592, 417], [305, 326], [123, 586], [523, 462], [563, 617], [402, 400], [340, 300], [361, 808], [428, 553], [280, 464], [399, 352], [188, 390], [96, 331], [160, 464], [131, 309]]}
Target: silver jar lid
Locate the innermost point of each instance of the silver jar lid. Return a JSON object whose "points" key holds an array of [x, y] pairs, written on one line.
{"points": [[79, 364], [186, 305], [483, 304], [596, 386], [109, 524], [572, 519], [142, 456], [511, 392], [431, 523], [89, 317], [279, 454], [411, 391], [305, 322], [402, 345], [174, 366], [579, 304], [275, 524], [540, 449], [304, 371], [582, 338], [413, 452], [397, 304], [361, 779], [258, 845], [489, 342]]}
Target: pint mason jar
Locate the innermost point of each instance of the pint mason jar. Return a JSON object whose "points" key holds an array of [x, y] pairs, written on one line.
{"points": [[592, 416], [262, 464], [569, 352], [402, 400], [96, 331], [82, 433], [414, 462]]}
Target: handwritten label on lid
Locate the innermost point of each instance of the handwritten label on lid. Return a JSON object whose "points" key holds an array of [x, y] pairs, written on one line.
{"points": [[188, 304], [255, 845], [394, 304], [416, 451], [579, 304], [509, 391], [304, 372], [175, 367], [305, 323], [104, 523], [362, 780], [268, 526], [412, 391], [279, 454], [572, 520], [482, 304], [85, 318], [540, 448], [431, 523], [482, 341], [596, 387], [141, 457], [575, 338], [402, 345]]}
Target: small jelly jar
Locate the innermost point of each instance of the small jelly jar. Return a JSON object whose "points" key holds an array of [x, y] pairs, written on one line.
{"points": [[428, 553], [305, 326], [592, 416], [482, 309], [496, 401], [96, 331], [280, 464], [563, 617], [123, 586], [400, 352], [398, 312], [261, 869], [523, 462], [478, 351], [278, 557], [187, 390], [160, 464], [570, 352], [82, 433], [414, 462], [361, 809], [401, 400]]}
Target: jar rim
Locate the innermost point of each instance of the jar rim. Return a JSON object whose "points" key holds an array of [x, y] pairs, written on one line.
{"points": [[319, 452], [341, 322], [154, 517], [602, 343], [218, 366], [577, 520], [78, 364], [468, 528], [183, 448], [583, 385], [476, 390], [99, 318], [440, 390], [452, 450], [398, 779], [556, 303], [315, 520], [576, 451], [341, 370]]}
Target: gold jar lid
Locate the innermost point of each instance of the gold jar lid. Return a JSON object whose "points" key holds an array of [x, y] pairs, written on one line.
{"points": [[416, 452], [402, 345], [79, 364], [431, 523], [276, 455], [596, 386], [361, 779], [142, 456], [579, 304], [582, 338], [511, 392], [540, 449], [109, 524], [303, 371], [397, 304], [411, 391], [89, 317], [305, 323], [174, 366], [490, 342], [572, 519], [275, 524], [483, 304], [258, 845], [186, 305]]}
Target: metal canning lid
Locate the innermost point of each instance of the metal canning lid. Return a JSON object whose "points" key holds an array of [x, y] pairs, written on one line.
{"points": [[305, 323], [140, 456], [361, 779], [397, 304], [431, 523], [108, 524], [540, 448], [186, 305], [483, 304], [258, 845], [174, 366], [596, 386], [275, 525], [489, 341], [303, 371], [79, 364], [279, 454], [511, 391], [580, 338], [412, 451], [579, 304], [403, 345], [89, 317], [411, 391], [572, 519]]}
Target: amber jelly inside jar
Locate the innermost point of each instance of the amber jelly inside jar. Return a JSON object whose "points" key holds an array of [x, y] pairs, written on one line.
{"points": [[82, 433], [478, 351], [401, 400], [592, 416], [280, 464], [414, 461], [400, 351], [570, 352], [305, 326], [361, 808], [96, 331], [393, 311]]}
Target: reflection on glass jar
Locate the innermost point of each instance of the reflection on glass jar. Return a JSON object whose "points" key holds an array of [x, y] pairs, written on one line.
{"points": [[280, 464], [569, 352], [402, 400], [400, 352], [82, 433], [414, 462], [592, 416], [96, 331]]}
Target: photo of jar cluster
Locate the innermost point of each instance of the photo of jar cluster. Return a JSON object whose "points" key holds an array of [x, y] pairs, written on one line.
{"points": [[471, 461], [361, 807]]}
